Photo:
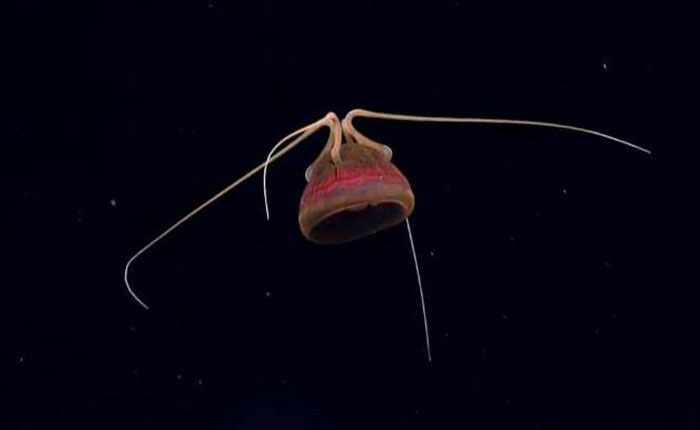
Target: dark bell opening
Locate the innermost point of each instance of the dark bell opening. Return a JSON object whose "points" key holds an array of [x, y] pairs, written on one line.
{"points": [[351, 224]]}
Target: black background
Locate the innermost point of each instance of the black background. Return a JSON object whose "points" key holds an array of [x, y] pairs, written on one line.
{"points": [[544, 254]]}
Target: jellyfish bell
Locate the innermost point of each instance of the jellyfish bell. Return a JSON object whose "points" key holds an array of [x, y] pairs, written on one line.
{"points": [[353, 188], [360, 193]]}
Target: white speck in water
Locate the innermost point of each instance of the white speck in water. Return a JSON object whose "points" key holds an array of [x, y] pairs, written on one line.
{"points": [[199, 382], [605, 65], [178, 377], [20, 359], [432, 253], [267, 294], [563, 191], [113, 203]]}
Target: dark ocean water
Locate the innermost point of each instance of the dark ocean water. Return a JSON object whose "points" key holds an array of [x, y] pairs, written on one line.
{"points": [[543, 253]]}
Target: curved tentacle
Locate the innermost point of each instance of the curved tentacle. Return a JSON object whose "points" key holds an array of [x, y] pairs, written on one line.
{"points": [[334, 139], [300, 135]]}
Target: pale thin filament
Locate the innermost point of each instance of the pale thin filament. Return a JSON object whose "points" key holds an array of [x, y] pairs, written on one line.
{"points": [[420, 290], [301, 134], [347, 123]]}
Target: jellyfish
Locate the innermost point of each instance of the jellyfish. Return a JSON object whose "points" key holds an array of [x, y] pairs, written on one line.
{"points": [[353, 189]]}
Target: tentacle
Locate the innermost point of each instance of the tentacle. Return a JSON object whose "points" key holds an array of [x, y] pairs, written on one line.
{"points": [[420, 290], [331, 121], [300, 135], [348, 127], [352, 134]]}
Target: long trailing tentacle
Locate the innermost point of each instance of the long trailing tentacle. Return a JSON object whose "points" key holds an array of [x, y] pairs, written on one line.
{"points": [[299, 136], [351, 131], [420, 290]]}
